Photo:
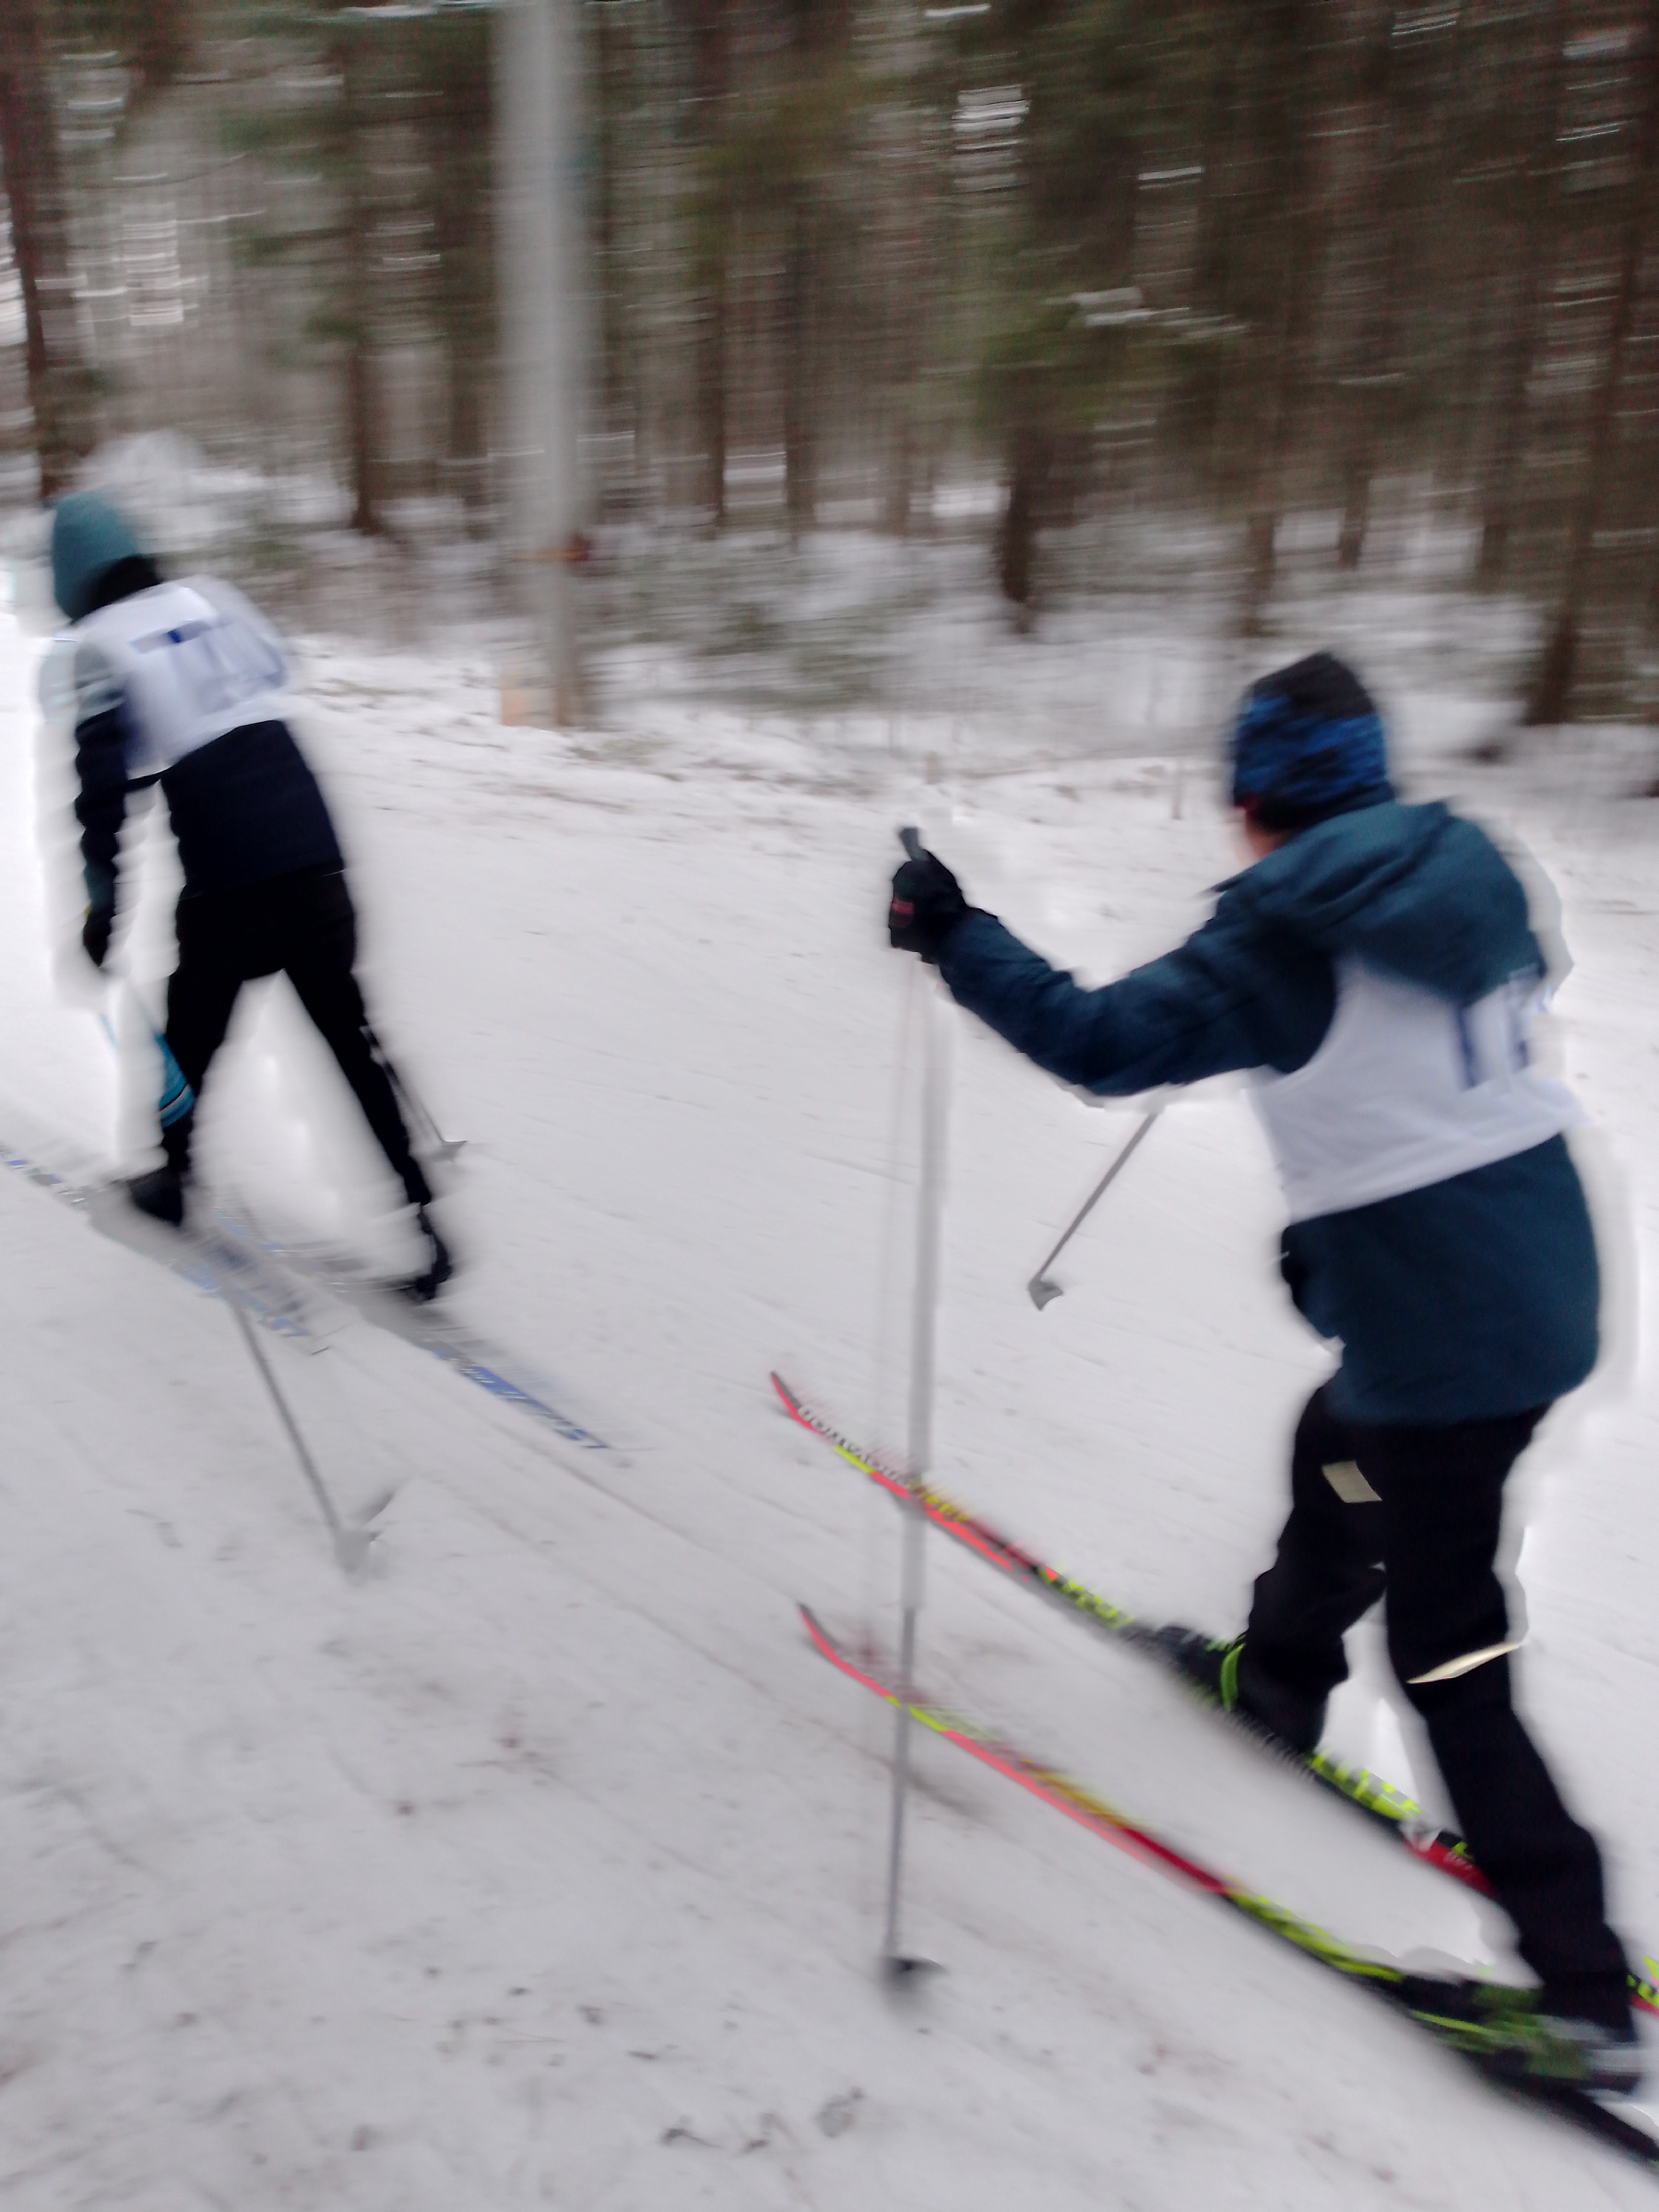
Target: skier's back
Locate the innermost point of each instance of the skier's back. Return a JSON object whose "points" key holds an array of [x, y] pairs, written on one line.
{"points": [[184, 685], [1376, 969]]}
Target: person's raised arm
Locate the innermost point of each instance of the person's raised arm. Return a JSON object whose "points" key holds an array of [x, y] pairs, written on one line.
{"points": [[1238, 994]]}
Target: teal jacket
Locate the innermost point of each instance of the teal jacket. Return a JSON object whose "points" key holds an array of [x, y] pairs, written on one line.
{"points": [[1469, 1300]]}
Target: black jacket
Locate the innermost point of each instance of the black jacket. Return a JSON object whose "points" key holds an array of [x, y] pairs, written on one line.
{"points": [[243, 807]]}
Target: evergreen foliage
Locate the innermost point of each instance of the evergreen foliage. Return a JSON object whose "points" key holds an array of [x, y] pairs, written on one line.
{"points": [[1343, 258]]}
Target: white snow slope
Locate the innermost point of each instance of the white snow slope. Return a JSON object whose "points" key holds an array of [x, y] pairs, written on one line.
{"points": [[544, 1867]]}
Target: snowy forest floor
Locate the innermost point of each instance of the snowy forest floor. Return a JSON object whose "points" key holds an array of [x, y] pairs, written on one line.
{"points": [[544, 1867]]}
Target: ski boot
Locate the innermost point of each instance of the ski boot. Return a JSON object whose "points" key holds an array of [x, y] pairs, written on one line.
{"points": [[161, 1194], [1511, 2034], [1286, 1719], [425, 1286]]}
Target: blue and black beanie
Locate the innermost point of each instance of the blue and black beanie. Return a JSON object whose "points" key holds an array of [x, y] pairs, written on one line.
{"points": [[1308, 743]]}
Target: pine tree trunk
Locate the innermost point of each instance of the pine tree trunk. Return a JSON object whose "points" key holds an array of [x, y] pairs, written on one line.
{"points": [[1382, 213], [464, 428], [1286, 340], [712, 391], [1377, 215], [465, 294], [58, 383], [712, 78], [823, 37], [1261, 566], [1031, 463], [1501, 477], [359, 420], [800, 458], [1500, 483], [1355, 500], [360, 383], [1552, 697], [898, 494], [912, 183], [156, 48]]}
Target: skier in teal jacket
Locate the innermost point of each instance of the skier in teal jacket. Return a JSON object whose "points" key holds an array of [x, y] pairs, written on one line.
{"points": [[1375, 971]]}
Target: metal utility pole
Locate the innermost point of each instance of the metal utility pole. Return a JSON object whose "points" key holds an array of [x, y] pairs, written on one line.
{"points": [[539, 138]]}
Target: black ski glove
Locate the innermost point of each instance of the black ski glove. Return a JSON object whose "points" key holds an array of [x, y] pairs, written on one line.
{"points": [[96, 932], [927, 905]]}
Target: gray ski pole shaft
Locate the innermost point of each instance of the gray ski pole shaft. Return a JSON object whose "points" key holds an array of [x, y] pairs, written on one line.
{"points": [[350, 1545], [924, 1331], [447, 1147], [1042, 1285]]}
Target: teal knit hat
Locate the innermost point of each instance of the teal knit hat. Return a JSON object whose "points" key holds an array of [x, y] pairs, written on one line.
{"points": [[88, 539]]}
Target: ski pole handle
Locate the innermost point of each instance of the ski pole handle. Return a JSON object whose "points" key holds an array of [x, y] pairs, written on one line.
{"points": [[911, 841]]}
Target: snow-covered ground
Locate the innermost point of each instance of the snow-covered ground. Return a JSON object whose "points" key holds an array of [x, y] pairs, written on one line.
{"points": [[544, 1867]]}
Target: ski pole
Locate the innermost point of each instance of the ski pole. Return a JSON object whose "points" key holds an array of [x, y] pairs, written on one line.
{"points": [[445, 1147], [1042, 1286], [924, 1332], [176, 1097], [350, 1545]]}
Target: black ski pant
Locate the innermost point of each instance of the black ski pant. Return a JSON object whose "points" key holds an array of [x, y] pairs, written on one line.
{"points": [[303, 927], [1428, 1535]]}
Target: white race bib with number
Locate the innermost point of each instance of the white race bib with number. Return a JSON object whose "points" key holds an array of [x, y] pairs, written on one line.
{"points": [[189, 661], [1407, 1091]]}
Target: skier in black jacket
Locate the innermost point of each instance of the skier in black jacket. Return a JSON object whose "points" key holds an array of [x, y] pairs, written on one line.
{"points": [[184, 685]]}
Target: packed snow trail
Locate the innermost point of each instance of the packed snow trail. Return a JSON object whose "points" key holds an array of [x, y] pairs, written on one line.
{"points": [[545, 1868]]}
